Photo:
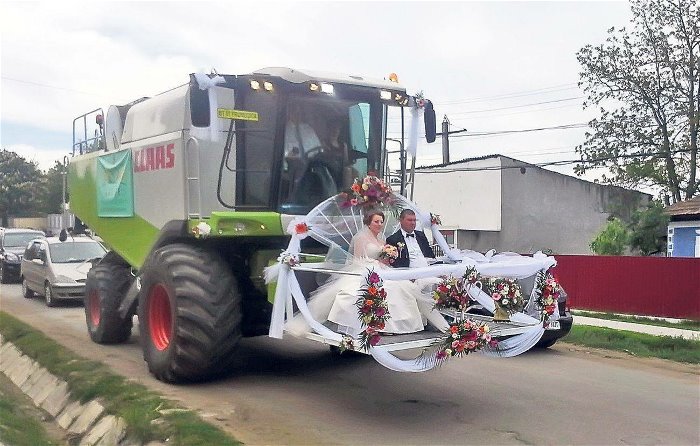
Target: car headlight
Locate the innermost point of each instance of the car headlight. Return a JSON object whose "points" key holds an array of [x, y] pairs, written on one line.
{"points": [[12, 257], [64, 279]]}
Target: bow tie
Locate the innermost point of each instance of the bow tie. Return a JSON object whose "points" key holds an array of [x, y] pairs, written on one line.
{"points": [[411, 235]]}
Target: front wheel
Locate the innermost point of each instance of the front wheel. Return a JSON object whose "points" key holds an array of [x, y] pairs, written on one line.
{"points": [[189, 313], [48, 295], [106, 285]]}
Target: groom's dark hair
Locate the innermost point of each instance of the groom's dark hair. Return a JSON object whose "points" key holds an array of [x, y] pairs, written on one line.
{"points": [[369, 215], [406, 212]]}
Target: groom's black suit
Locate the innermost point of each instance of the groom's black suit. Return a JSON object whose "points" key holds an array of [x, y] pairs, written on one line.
{"points": [[404, 261]]}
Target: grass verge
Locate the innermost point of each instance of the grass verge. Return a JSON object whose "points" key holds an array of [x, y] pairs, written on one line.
{"points": [[148, 416], [659, 322], [637, 344]]}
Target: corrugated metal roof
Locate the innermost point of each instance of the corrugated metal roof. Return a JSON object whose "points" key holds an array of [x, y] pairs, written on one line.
{"points": [[687, 207]]}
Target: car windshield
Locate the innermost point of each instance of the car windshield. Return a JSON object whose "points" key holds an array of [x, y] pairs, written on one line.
{"points": [[74, 252], [19, 239]]}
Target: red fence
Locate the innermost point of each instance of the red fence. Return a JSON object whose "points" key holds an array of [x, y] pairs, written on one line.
{"points": [[651, 286]]}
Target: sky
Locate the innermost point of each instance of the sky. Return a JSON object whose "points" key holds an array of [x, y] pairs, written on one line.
{"points": [[488, 66]]}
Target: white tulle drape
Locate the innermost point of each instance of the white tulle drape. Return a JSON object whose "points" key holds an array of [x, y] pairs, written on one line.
{"points": [[335, 225]]}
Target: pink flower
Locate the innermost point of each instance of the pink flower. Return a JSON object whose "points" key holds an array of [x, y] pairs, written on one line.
{"points": [[496, 296], [353, 202], [441, 355], [380, 312], [374, 340], [374, 278]]}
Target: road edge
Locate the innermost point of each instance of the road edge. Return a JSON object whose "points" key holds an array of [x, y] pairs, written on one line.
{"points": [[87, 421]]}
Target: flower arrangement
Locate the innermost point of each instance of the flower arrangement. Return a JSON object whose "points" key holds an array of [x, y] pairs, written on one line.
{"points": [[301, 228], [419, 100], [547, 290], [451, 293], [371, 191], [288, 259], [346, 344], [372, 309], [201, 230], [435, 219], [507, 295], [464, 337], [389, 253]]}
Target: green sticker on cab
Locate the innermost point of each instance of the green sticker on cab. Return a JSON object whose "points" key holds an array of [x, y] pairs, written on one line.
{"points": [[240, 115]]}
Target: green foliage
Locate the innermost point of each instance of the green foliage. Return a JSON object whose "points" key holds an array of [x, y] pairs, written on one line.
{"points": [[26, 191], [20, 186], [612, 240], [645, 81], [647, 229]]}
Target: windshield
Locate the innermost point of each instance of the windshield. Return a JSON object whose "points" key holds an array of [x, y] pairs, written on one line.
{"points": [[20, 239], [328, 142], [74, 252]]}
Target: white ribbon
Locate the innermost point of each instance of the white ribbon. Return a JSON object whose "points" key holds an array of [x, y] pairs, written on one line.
{"points": [[206, 83], [416, 121]]}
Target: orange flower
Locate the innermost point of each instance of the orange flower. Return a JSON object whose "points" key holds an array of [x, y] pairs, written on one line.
{"points": [[372, 290], [454, 329], [369, 302], [356, 187], [301, 228]]}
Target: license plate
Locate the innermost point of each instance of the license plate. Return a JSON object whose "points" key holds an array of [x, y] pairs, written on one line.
{"points": [[554, 325]]}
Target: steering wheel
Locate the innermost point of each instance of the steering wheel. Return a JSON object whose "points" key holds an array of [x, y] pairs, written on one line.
{"points": [[314, 150]]}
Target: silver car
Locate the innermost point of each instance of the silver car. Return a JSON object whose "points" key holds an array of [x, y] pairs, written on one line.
{"points": [[56, 269]]}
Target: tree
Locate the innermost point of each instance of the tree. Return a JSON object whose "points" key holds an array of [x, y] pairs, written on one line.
{"points": [[647, 229], [20, 186], [612, 240], [52, 201], [646, 83]]}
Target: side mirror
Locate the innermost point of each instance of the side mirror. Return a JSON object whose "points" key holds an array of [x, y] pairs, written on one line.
{"points": [[429, 121], [63, 236]]}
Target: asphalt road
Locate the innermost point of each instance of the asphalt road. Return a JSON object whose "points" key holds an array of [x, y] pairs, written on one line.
{"points": [[295, 392]]}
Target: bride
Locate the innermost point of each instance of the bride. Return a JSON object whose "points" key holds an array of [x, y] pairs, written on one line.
{"points": [[334, 301]]}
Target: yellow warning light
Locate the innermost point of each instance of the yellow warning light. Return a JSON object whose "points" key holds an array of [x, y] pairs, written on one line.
{"points": [[394, 78]]}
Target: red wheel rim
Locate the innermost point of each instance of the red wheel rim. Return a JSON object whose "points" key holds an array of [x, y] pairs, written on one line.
{"points": [[159, 317], [94, 307]]}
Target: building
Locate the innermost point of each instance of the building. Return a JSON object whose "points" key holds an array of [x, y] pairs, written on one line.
{"points": [[509, 205], [684, 228]]}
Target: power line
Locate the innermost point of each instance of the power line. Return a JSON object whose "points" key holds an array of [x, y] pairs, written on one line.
{"points": [[38, 84], [516, 106], [539, 129], [551, 89]]}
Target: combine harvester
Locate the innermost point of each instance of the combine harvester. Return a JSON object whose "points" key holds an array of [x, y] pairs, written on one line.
{"points": [[198, 189]]}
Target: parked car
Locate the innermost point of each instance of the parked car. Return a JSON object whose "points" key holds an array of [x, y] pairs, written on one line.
{"points": [[12, 245], [58, 270]]}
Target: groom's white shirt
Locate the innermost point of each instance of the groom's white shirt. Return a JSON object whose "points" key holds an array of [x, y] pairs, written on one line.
{"points": [[415, 255]]}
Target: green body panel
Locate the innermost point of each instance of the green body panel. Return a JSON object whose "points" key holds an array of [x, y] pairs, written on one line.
{"points": [[242, 224], [131, 237]]}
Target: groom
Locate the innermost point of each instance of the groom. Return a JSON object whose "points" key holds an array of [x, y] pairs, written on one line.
{"points": [[412, 245]]}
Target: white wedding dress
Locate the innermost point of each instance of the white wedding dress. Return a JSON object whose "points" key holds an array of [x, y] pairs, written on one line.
{"points": [[335, 300]]}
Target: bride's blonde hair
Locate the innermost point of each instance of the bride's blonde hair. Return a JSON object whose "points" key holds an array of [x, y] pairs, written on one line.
{"points": [[367, 219]]}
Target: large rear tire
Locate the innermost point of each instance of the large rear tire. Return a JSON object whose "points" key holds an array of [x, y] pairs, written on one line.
{"points": [[189, 314], [105, 288]]}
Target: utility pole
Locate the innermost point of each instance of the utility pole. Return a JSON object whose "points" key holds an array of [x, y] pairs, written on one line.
{"points": [[445, 140]]}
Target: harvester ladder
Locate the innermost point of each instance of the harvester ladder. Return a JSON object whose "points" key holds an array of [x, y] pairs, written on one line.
{"points": [[192, 149]]}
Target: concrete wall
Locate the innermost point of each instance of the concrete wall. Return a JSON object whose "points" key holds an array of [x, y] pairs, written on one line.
{"points": [[28, 222]]}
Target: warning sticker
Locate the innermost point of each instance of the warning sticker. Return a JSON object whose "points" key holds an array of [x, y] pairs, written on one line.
{"points": [[240, 115]]}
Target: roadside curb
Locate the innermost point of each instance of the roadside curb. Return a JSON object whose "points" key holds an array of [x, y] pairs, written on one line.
{"points": [[88, 421], [639, 328]]}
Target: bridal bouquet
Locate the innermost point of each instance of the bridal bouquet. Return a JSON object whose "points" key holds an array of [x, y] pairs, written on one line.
{"points": [[389, 252]]}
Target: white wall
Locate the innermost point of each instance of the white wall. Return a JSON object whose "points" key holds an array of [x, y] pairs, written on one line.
{"points": [[463, 199]]}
